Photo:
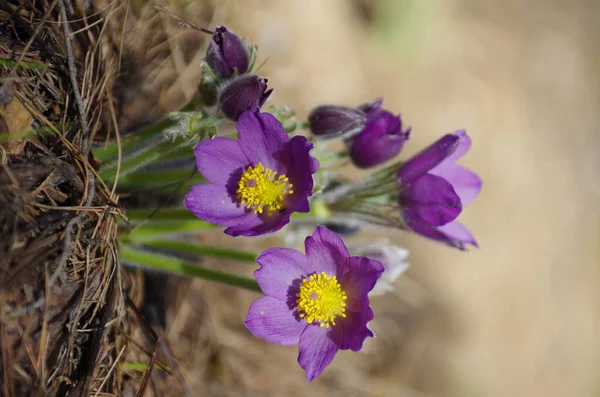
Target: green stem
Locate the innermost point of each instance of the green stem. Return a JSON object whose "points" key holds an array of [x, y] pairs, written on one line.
{"points": [[151, 230], [201, 250], [166, 214], [176, 266]]}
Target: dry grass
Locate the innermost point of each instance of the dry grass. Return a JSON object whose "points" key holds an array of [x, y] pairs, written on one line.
{"points": [[73, 71]]}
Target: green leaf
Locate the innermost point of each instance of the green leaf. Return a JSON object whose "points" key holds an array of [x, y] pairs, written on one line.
{"points": [[176, 266], [143, 157], [152, 179], [140, 367], [23, 64], [135, 140]]}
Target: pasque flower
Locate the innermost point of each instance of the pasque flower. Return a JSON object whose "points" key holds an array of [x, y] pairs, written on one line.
{"points": [[434, 190], [255, 182], [243, 94], [380, 140], [334, 121], [227, 55], [318, 300]]}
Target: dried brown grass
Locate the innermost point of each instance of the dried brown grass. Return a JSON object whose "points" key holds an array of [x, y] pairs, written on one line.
{"points": [[81, 72]]}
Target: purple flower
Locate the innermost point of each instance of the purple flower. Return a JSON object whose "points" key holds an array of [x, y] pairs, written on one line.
{"points": [[434, 190], [381, 139], [318, 300], [242, 94], [255, 182], [227, 55], [333, 121]]}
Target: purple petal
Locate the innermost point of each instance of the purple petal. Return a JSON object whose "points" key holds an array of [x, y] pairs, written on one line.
{"points": [[466, 183], [326, 251], [432, 199], [257, 225], [299, 171], [272, 320], [369, 150], [261, 138], [418, 226], [457, 232], [464, 144], [219, 158], [352, 330], [279, 268], [428, 159], [316, 350], [358, 277], [214, 204]]}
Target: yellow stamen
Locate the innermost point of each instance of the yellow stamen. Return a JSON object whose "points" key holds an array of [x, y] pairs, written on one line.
{"points": [[260, 187], [321, 299]]}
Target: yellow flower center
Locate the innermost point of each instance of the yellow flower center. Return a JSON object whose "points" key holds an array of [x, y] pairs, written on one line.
{"points": [[260, 187], [321, 299]]}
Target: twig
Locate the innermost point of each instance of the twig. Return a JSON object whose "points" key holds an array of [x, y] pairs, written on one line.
{"points": [[73, 75], [68, 243], [91, 193]]}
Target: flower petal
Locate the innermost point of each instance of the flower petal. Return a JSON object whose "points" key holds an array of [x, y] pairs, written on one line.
{"points": [[279, 269], [466, 183], [358, 277], [261, 138], [456, 231], [464, 144], [425, 229], [219, 159], [428, 159], [214, 204], [353, 330], [257, 225], [272, 320], [316, 350], [299, 169], [432, 198], [325, 251]]}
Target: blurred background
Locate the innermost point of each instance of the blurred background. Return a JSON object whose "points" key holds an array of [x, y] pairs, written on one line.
{"points": [[517, 317]]}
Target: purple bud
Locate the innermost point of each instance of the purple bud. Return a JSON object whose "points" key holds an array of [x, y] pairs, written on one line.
{"points": [[381, 139], [244, 93], [227, 54], [333, 121]]}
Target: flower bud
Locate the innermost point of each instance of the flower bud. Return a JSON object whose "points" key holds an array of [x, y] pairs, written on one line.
{"points": [[227, 55], [331, 121], [381, 139], [242, 94]]}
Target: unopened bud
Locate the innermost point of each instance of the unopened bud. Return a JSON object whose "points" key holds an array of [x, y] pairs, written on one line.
{"points": [[331, 121], [243, 94], [227, 55]]}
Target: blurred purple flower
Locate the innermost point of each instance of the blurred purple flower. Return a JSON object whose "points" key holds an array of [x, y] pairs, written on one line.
{"points": [[255, 182], [227, 56], [332, 121], [434, 190], [242, 94], [318, 300], [380, 140]]}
